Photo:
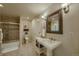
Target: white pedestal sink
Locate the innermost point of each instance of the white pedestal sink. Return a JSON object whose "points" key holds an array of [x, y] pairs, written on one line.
{"points": [[49, 44]]}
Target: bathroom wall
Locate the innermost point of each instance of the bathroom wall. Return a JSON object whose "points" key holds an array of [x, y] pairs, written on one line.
{"points": [[0, 17], [70, 36], [10, 28], [38, 27], [0, 20]]}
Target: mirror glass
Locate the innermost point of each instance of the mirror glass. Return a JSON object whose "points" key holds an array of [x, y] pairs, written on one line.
{"points": [[54, 22]]}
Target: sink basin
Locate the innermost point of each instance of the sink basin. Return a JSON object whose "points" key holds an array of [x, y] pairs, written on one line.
{"points": [[49, 44]]}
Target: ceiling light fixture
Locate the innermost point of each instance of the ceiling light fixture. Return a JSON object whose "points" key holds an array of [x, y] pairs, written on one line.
{"points": [[44, 16], [1, 5]]}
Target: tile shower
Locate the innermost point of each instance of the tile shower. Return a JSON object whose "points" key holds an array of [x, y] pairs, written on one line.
{"points": [[10, 29]]}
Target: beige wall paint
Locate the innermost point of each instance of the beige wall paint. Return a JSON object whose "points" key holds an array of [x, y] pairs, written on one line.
{"points": [[0, 17], [70, 36], [37, 27]]}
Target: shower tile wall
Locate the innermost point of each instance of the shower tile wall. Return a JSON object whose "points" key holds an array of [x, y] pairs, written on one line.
{"points": [[0, 21], [10, 31]]}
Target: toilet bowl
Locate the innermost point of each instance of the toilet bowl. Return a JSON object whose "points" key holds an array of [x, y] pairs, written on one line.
{"points": [[26, 39]]}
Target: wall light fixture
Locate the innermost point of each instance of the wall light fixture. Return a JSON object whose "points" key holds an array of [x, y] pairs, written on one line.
{"points": [[65, 7]]}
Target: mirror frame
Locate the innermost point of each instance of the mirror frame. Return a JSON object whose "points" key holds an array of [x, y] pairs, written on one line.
{"points": [[60, 20]]}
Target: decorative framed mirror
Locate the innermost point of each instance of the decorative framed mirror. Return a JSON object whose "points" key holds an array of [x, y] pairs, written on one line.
{"points": [[54, 23]]}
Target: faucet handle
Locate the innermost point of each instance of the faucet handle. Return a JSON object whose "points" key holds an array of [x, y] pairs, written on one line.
{"points": [[52, 39]]}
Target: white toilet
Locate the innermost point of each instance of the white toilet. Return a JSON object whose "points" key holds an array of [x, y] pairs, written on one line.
{"points": [[26, 38]]}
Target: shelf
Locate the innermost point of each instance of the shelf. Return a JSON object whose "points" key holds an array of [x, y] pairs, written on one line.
{"points": [[26, 29], [41, 48], [9, 23]]}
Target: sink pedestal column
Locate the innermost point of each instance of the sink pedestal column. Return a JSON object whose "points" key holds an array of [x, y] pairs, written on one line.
{"points": [[49, 52]]}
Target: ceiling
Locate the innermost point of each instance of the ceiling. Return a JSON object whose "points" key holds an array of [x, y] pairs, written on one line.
{"points": [[24, 9]]}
